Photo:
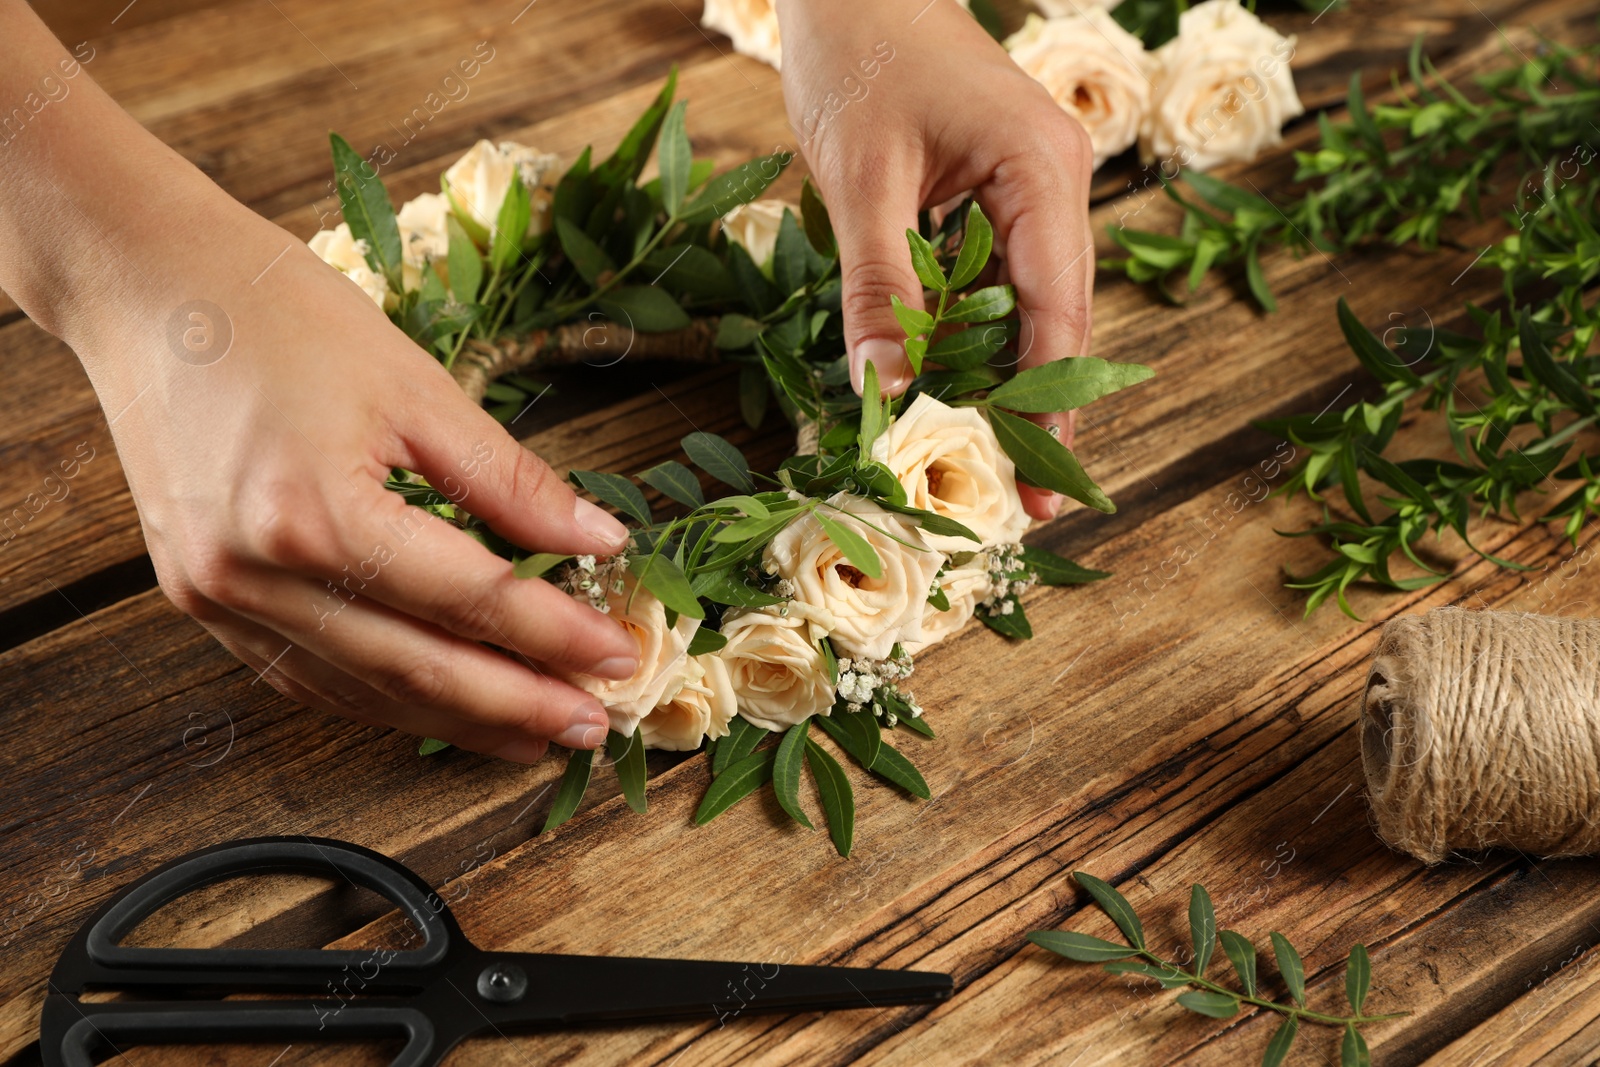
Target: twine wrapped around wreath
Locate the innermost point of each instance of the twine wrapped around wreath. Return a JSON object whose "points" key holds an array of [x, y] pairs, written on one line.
{"points": [[1482, 728], [599, 344]]}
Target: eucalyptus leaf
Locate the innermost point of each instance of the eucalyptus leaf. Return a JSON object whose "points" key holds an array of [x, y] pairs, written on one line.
{"points": [[1080, 947], [742, 738], [862, 556], [365, 204], [1202, 927], [1066, 384], [1115, 905], [665, 579], [646, 308], [464, 262], [627, 755], [925, 263], [569, 794], [786, 769], [1290, 967], [838, 800], [1214, 1005], [676, 482], [1242, 954], [1278, 1048], [1044, 461], [719, 459], [736, 782], [985, 305], [615, 490], [586, 257], [674, 158], [975, 247]]}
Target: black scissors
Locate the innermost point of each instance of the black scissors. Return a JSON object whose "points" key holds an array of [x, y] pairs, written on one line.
{"points": [[433, 995]]}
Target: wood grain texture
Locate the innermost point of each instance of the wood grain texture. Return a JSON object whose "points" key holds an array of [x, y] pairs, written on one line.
{"points": [[1177, 723]]}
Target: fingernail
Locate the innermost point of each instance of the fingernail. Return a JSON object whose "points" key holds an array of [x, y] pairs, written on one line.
{"points": [[1053, 502], [588, 729], [598, 524], [887, 356], [522, 750], [617, 667]]}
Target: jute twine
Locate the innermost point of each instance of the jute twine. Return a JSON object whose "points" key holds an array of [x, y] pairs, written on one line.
{"points": [[1482, 728]]}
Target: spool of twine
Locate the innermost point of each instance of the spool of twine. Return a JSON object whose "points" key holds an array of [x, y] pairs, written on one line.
{"points": [[1482, 728]]}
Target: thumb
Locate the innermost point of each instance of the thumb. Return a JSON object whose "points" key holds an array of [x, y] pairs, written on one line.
{"points": [[875, 264]]}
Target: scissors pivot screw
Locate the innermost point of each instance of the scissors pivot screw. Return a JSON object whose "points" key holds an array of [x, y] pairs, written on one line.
{"points": [[503, 983]]}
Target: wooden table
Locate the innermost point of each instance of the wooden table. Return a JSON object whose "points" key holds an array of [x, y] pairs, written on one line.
{"points": [[1178, 723]]}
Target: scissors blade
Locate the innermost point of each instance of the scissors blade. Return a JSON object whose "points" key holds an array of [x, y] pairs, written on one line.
{"points": [[574, 990]]}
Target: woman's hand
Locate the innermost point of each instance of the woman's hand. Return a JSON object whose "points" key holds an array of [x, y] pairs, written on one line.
{"points": [[946, 112], [258, 400]]}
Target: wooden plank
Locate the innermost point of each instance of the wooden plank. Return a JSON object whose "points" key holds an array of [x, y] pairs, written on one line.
{"points": [[1555, 1021]]}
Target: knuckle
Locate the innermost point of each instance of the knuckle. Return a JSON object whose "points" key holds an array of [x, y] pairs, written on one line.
{"points": [[420, 681], [208, 582], [287, 531]]}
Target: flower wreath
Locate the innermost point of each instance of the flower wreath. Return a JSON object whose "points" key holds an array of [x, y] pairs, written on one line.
{"points": [[802, 597]]}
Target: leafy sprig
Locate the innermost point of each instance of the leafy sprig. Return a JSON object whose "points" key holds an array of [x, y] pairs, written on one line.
{"points": [[1211, 998], [1393, 172], [1513, 422]]}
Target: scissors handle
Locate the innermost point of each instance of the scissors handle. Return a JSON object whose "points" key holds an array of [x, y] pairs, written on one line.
{"points": [[95, 958]]}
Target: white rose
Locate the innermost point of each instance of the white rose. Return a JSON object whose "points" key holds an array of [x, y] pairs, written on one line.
{"points": [[1097, 71], [1222, 89], [663, 651], [950, 463], [868, 614], [477, 184], [424, 236], [702, 707], [963, 587], [338, 248], [752, 26], [776, 669], [754, 227]]}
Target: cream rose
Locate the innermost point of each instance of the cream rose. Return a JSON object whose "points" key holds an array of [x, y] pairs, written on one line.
{"points": [[775, 667], [752, 26], [963, 587], [476, 185], [754, 227], [868, 614], [424, 236], [1222, 89], [338, 248], [950, 463], [702, 707], [1097, 71], [663, 651]]}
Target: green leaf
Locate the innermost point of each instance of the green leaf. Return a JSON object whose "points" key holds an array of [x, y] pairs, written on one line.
{"points": [[1290, 967], [366, 207], [789, 255], [676, 482], [1353, 1049], [862, 556], [1357, 977], [586, 257], [719, 459], [706, 640], [1057, 570], [1556, 377], [925, 263], [1243, 956], [1374, 355], [1066, 384], [627, 755], [874, 418], [1115, 905], [1214, 1005], [975, 246], [1256, 280], [985, 305], [971, 347], [666, 580], [892, 764], [538, 564], [1044, 461], [914, 321], [732, 188], [510, 226], [574, 783], [628, 160], [430, 745], [737, 331], [1080, 947], [615, 490], [1278, 1047], [786, 772], [464, 262], [1014, 625], [674, 158], [742, 738], [838, 801], [1202, 927], [738, 781], [857, 732], [819, 227], [646, 308], [698, 272]]}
